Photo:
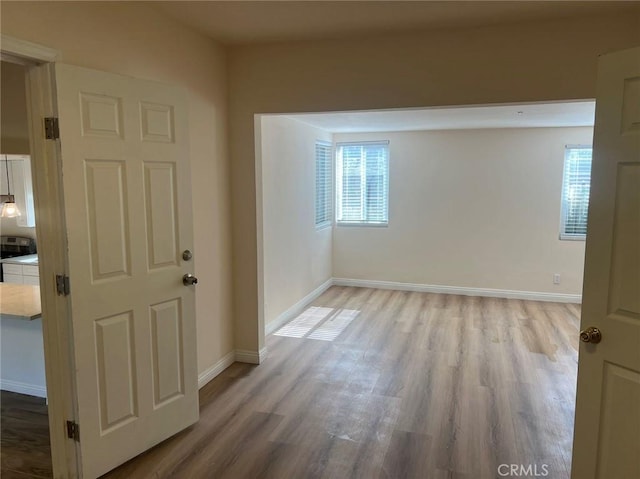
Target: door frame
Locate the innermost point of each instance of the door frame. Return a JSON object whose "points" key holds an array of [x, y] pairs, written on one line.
{"points": [[46, 163]]}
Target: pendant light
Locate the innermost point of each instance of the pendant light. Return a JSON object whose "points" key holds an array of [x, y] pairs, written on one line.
{"points": [[9, 207]]}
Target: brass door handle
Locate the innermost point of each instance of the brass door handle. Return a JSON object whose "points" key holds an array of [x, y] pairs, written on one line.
{"points": [[590, 335], [189, 279]]}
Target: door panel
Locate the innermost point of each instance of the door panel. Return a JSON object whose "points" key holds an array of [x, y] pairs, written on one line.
{"points": [[607, 428], [631, 106], [161, 213], [625, 284], [156, 122], [118, 399], [101, 115], [620, 433], [125, 166], [108, 223], [166, 324]]}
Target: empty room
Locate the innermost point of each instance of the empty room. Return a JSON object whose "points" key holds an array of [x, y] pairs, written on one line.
{"points": [[409, 263], [325, 239]]}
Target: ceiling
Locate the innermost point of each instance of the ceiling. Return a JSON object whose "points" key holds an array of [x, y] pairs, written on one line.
{"points": [[245, 22], [531, 115]]}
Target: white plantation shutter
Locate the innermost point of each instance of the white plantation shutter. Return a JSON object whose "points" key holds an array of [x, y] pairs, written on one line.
{"points": [[575, 192], [323, 183], [362, 183]]}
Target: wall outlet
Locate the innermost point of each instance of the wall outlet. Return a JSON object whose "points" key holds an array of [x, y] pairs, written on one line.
{"points": [[556, 278]]}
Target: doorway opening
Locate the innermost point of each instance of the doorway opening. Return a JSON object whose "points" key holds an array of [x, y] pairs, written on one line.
{"points": [[470, 227], [42, 208], [487, 184], [24, 410]]}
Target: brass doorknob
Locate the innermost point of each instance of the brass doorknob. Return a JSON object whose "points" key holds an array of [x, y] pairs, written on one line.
{"points": [[189, 279], [590, 335]]}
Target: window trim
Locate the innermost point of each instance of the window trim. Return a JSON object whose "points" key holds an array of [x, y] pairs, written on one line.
{"points": [[329, 222], [563, 236], [364, 224]]}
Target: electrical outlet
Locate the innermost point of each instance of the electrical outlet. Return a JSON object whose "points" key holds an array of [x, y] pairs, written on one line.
{"points": [[556, 278]]}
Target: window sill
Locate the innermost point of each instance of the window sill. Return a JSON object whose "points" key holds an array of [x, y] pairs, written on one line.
{"points": [[573, 237], [363, 225], [324, 226]]}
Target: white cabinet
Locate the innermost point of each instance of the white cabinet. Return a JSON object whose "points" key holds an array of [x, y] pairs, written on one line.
{"points": [[30, 270], [21, 348], [22, 357], [12, 278], [12, 273], [20, 274], [21, 186]]}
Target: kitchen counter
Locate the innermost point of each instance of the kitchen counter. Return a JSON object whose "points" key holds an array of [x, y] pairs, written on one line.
{"points": [[28, 259], [20, 301]]}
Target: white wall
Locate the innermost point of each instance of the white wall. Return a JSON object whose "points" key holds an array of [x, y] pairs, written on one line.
{"points": [[297, 256], [469, 208], [133, 38]]}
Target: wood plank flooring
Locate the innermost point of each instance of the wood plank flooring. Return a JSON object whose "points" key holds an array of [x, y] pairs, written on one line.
{"points": [[24, 437], [418, 385]]}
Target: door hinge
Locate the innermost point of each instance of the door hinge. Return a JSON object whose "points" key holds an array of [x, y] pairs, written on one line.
{"points": [[63, 286], [51, 128], [73, 431]]}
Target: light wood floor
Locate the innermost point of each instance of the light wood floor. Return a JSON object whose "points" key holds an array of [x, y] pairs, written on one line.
{"points": [[417, 386]]}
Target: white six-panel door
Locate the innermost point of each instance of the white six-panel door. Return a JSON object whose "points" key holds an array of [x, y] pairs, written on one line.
{"points": [[607, 429], [125, 165]]}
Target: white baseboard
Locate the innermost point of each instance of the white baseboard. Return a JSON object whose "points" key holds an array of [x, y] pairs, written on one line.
{"points": [[297, 308], [239, 355], [251, 357], [434, 288], [262, 354], [216, 369], [23, 388]]}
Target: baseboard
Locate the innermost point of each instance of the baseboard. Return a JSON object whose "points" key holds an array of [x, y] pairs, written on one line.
{"points": [[216, 369], [262, 354], [251, 357], [433, 288], [297, 308], [23, 388]]}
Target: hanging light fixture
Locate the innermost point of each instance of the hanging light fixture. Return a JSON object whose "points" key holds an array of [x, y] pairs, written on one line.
{"points": [[9, 207]]}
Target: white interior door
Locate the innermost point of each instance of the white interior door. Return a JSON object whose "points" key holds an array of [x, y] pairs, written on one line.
{"points": [[607, 430], [125, 167]]}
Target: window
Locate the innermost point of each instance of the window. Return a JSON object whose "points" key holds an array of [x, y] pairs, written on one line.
{"points": [[362, 183], [323, 184], [575, 192]]}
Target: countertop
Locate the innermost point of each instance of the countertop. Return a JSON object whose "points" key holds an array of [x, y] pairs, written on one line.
{"points": [[28, 259], [20, 301]]}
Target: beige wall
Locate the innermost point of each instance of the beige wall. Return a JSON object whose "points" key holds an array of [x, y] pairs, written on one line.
{"points": [[14, 131], [135, 39], [512, 63], [470, 208], [297, 256]]}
